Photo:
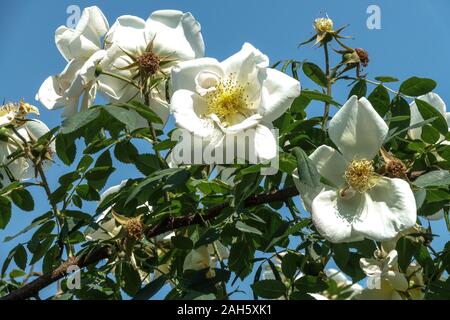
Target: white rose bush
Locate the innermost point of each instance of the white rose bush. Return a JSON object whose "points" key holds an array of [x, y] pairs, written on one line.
{"points": [[248, 179]]}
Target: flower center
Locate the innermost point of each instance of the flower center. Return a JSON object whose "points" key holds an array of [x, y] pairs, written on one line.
{"points": [[360, 175], [228, 99], [323, 24], [149, 62]]}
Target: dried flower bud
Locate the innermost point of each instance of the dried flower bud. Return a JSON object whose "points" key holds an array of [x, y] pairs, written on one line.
{"points": [[363, 56], [396, 168], [134, 228]]}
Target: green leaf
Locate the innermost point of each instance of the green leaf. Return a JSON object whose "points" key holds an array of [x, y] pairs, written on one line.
{"points": [[7, 261], [69, 178], [415, 86], [23, 199], [150, 289], [400, 107], [435, 178], [182, 243], [429, 134], [359, 89], [86, 192], [208, 237], [65, 149], [145, 111], [79, 120], [300, 103], [20, 257], [307, 172], [380, 100], [289, 265], [84, 163], [386, 79], [5, 212], [240, 259], [36, 222], [310, 284], [157, 176], [130, 118], [125, 152], [246, 228], [103, 168], [316, 74], [131, 280], [269, 289], [405, 251], [41, 250], [99, 173], [427, 111], [316, 95], [147, 163], [165, 145], [51, 259]]}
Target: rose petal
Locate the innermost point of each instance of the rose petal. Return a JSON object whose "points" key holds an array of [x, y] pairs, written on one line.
{"points": [[357, 130]]}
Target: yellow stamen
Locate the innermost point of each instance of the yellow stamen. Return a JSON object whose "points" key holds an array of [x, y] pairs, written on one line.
{"points": [[227, 100], [360, 175]]}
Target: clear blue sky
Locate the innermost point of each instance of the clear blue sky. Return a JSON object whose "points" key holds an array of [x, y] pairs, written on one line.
{"points": [[413, 40]]}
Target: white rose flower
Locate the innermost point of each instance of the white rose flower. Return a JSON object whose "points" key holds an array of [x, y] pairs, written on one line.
{"points": [[386, 282], [205, 257], [29, 130], [359, 204], [139, 50], [435, 101], [82, 48], [240, 95]]}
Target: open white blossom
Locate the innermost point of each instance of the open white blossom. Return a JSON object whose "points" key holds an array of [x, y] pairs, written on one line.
{"points": [[386, 282], [83, 50], [435, 101], [147, 50], [29, 130], [206, 257], [358, 203], [238, 96]]}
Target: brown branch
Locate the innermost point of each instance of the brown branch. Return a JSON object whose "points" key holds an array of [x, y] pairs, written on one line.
{"points": [[172, 223], [32, 289]]}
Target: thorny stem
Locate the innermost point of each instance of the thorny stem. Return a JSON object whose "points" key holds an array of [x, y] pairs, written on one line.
{"points": [[155, 141], [326, 112], [153, 131], [55, 210]]}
